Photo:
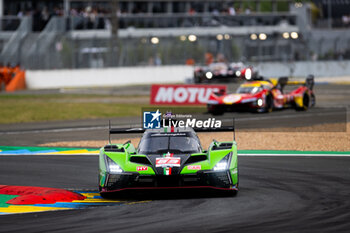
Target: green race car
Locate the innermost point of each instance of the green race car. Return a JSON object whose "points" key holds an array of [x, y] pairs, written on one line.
{"points": [[168, 158]]}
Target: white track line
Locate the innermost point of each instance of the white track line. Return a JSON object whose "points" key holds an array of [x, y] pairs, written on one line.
{"points": [[54, 130]]}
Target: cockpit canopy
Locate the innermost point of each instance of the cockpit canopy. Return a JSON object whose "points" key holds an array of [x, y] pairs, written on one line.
{"points": [[174, 142], [254, 87], [249, 90]]}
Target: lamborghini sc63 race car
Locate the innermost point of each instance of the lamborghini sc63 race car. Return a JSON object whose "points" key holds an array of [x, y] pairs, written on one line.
{"points": [[168, 159], [264, 96]]}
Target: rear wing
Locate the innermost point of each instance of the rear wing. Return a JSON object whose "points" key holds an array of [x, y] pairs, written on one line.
{"points": [[309, 82], [126, 130], [122, 131], [141, 130]]}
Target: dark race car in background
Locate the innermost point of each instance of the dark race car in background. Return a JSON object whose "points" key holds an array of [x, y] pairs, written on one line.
{"points": [[223, 72], [264, 96]]}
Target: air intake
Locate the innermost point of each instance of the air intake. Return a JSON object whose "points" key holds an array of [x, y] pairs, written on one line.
{"points": [[113, 148], [222, 146], [196, 159], [139, 159]]}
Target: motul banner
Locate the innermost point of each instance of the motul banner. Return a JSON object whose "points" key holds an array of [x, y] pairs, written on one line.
{"points": [[183, 94]]}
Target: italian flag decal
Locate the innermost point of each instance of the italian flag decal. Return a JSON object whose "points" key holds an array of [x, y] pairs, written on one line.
{"points": [[167, 170], [169, 129]]}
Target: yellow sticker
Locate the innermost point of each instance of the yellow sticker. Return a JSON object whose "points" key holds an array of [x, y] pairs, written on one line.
{"points": [[28, 209]]}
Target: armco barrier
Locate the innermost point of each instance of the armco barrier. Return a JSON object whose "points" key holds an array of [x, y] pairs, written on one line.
{"points": [[302, 69], [169, 74], [107, 76]]}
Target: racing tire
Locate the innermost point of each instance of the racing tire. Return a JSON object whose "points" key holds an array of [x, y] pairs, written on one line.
{"points": [[106, 195], [197, 79], [313, 100], [99, 186], [269, 103], [216, 111], [306, 103], [230, 193]]}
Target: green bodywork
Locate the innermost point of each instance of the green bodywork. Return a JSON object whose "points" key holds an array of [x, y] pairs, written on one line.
{"points": [[123, 160]]}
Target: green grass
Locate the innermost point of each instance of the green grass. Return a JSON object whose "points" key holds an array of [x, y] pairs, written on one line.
{"points": [[31, 108], [4, 198], [55, 107]]}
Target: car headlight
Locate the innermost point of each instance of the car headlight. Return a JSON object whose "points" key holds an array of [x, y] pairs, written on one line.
{"points": [[113, 167], [248, 74], [209, 75], [223, 164], [259, 102], [238, 73]]}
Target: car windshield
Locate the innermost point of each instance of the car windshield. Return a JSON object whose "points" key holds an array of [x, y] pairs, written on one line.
{"points": [[248, 90], [218, 66], [172, 144]]}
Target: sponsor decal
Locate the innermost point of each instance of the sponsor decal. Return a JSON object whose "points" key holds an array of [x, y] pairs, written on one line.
{"points": [[249, 100], [168, 162], [141, 168], [169, 115], [151, 120], [230, 99], [183, 94], [194, 123], [166, 134], [167, 170], [194, 167]]}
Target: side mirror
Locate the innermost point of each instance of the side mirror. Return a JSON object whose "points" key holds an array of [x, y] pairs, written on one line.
{"points": [[127, 142]]}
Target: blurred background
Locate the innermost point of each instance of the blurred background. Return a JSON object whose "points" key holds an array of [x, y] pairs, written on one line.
{"points": [[73, 34]]}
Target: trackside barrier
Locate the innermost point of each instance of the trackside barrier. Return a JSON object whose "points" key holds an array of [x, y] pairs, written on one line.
{"points": [[17, 83], [50, 79], [42, 79], [302, 69]]}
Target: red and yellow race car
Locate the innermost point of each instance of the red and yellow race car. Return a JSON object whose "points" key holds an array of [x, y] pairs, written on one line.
{"points": [[264, 96]]}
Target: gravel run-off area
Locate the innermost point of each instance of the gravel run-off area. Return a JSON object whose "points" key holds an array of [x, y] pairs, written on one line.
{"points": [[313, 138]]}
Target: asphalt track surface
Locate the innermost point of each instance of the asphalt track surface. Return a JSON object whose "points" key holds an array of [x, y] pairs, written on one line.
{"points": [[332, 102], [30, 134], [277, 194]]}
